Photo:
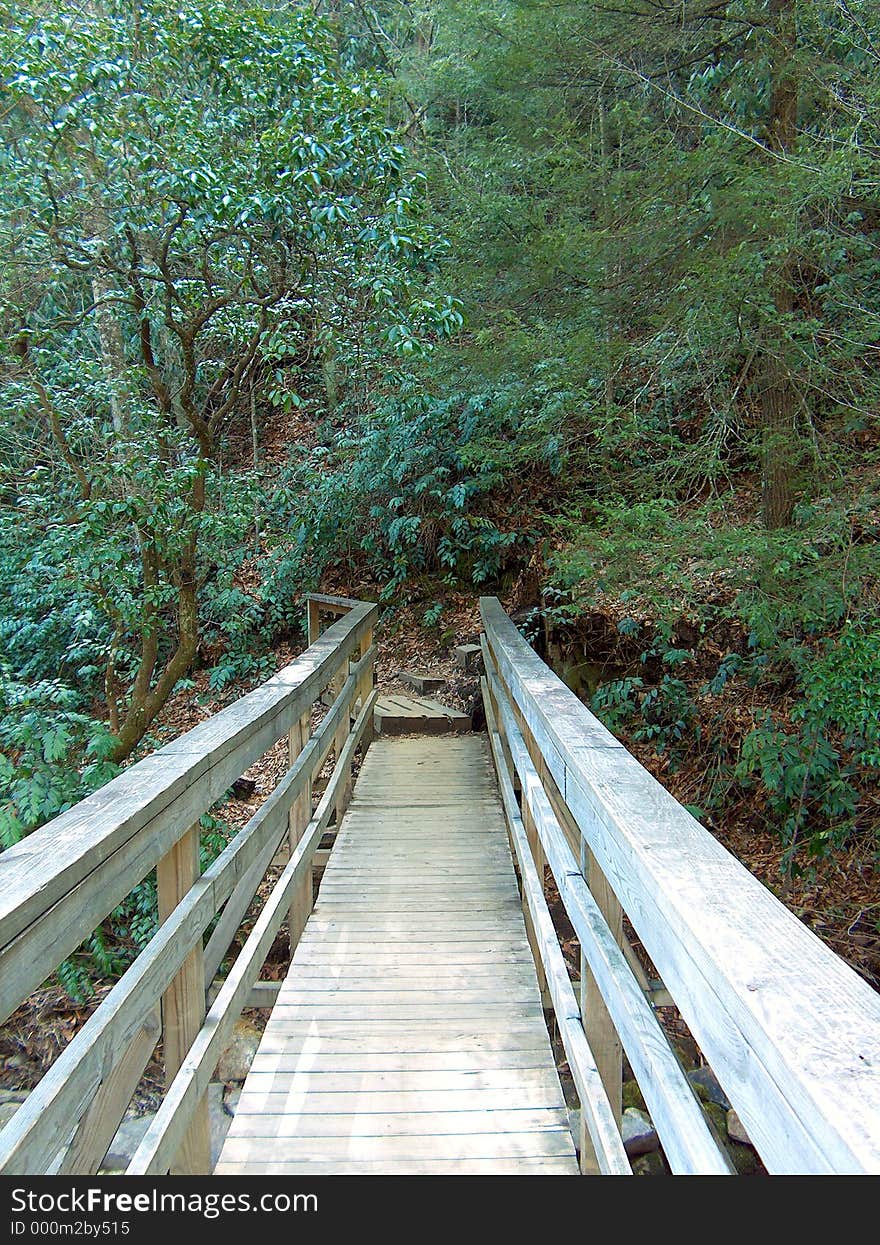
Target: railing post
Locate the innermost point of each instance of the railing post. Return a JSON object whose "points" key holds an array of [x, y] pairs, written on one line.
{"points": [[300, 815], [364, 688], [598, 1025], [183, 1003], [540, 862], [344, 793], [314, 621]]}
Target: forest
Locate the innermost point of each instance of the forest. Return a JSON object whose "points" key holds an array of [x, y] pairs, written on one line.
{"points": [[572, 303]]}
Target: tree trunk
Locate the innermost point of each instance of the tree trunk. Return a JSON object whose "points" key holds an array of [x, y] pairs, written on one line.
{"points": [[779, 396]]}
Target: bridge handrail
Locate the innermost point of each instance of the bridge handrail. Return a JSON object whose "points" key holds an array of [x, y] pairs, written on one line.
{"points": [[791, 1031], [59, 883]]}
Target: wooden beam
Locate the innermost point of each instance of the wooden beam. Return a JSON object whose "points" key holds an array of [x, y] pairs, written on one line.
{"points": [[313, 620], [598, 1024], [791, 1032], [98, 1126], [156, 1151], [183, 1003], [675, 1111], [62, 880], [605, 1140], [29, 1142], [262, 996], [310, 759], [300, 816]]}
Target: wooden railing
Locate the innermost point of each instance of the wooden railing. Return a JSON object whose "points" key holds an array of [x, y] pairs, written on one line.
{"points": [[790, 1031], [57, 885]]}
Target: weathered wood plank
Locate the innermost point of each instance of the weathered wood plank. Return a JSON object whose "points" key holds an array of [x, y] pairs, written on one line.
{"points": [[495, 1146], [675, 1111], [420, 974], [342, 1084], [596, 1110], [183, 1003], [29, 1141], [290, 791], [300, 816], [320, 1060], [98, 1126], [792, 1033], [56, 885], [160, 1144], [303, 1127], [513, 1165]]}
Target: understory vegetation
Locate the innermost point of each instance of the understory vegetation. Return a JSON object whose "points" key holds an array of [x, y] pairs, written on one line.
{"points": [[575, 305]]}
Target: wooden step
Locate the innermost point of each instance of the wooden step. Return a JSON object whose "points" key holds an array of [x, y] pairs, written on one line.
{"points": [[406, 715], [422, 683]]}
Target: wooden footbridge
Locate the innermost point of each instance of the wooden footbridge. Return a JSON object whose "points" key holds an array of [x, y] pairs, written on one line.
{"points": [[412, 1033]]}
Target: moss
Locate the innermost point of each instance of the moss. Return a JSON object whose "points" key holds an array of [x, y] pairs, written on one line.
{"points": [[632, 1097], [650, 1165], [744, 1159]]}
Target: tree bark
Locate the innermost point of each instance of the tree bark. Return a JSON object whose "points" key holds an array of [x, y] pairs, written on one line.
{"points": [[779, 396]]}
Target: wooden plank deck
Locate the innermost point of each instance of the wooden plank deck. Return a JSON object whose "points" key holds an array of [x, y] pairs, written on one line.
{"points": [[397, 714], [409, 1035]]}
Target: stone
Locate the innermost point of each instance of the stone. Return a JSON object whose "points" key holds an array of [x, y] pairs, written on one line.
{"points": [[651, 1164], [707, 1087], [639, 1134], [574, 1124], [422, 682], [128, 1137], [745, 1160], [717, 1118], [133, 1128], [8, 1110], [468, 656], [220, 1119], [230, 1100], [236, 1060], [735, 1129]]}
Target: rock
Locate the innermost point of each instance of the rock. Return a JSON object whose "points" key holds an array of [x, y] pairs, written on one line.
{"points": [[650, 1165], [133, 1128], [220, 1120], [717, 1118], [735, 1129], [128, 1137], [8, 1110], [236, 1060], [422, 682], [744, 1159], [574, 1124], [230, 1100], [468, 656], [13, 1095], [707, 1087], [639, 1135]]}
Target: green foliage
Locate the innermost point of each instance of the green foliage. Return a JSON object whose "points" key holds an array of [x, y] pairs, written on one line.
{"points": [[807, 789], [403, 491], [52, 753], [202, 210]]}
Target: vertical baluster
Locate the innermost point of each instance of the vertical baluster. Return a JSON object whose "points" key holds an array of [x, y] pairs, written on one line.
{"points": [[598, 1025], [300, 816], [183, 1003], [365, 687]]}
